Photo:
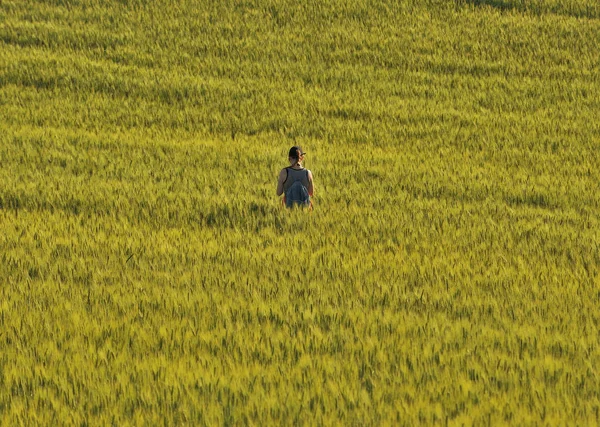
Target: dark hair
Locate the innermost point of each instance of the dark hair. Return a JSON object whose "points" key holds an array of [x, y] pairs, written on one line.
{"points": [[296, 152]]}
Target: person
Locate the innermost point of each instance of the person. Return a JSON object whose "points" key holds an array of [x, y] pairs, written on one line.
{"points": [[295, 181]]}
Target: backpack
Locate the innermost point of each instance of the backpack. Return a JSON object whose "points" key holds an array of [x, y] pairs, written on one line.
{"points": [[297, 194]]}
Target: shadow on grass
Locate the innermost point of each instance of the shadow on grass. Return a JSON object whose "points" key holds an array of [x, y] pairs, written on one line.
{"points": [[496, 4], [580, 10]]}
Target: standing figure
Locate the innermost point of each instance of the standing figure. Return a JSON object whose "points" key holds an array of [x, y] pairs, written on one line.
{"points": [[295, 181]]}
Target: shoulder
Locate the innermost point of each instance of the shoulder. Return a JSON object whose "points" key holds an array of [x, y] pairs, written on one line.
{"points": [[309, 173], [283, 173]]}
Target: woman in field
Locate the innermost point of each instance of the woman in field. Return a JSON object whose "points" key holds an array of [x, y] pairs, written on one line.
{"points": [[295, 181]]}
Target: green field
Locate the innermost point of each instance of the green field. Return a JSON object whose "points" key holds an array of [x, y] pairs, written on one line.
{"points": [[448, 274]]}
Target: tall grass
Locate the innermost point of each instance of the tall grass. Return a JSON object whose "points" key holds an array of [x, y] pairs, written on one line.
{"points": [[449, 271]]}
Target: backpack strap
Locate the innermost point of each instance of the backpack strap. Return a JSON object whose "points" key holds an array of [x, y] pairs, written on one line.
{"points": [[286, 175]]}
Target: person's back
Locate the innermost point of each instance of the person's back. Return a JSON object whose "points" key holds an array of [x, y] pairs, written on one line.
{"points": [[295, 182], [295, 187]]}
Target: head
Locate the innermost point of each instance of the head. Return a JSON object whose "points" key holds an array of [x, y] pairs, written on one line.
{"points": [[296, 155]]}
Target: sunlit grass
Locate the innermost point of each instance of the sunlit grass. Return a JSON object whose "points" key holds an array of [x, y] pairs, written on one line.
{"points": [[449, 270]]}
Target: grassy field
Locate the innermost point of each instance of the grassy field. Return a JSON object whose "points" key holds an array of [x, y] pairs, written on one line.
{"points": [[448, 274]]}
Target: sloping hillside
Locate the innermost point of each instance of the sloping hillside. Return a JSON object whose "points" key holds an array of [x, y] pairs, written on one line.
{"points": [[449, 270]]}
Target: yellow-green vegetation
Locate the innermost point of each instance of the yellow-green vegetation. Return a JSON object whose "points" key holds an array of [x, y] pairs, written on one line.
{"points": [[449, 272]]}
